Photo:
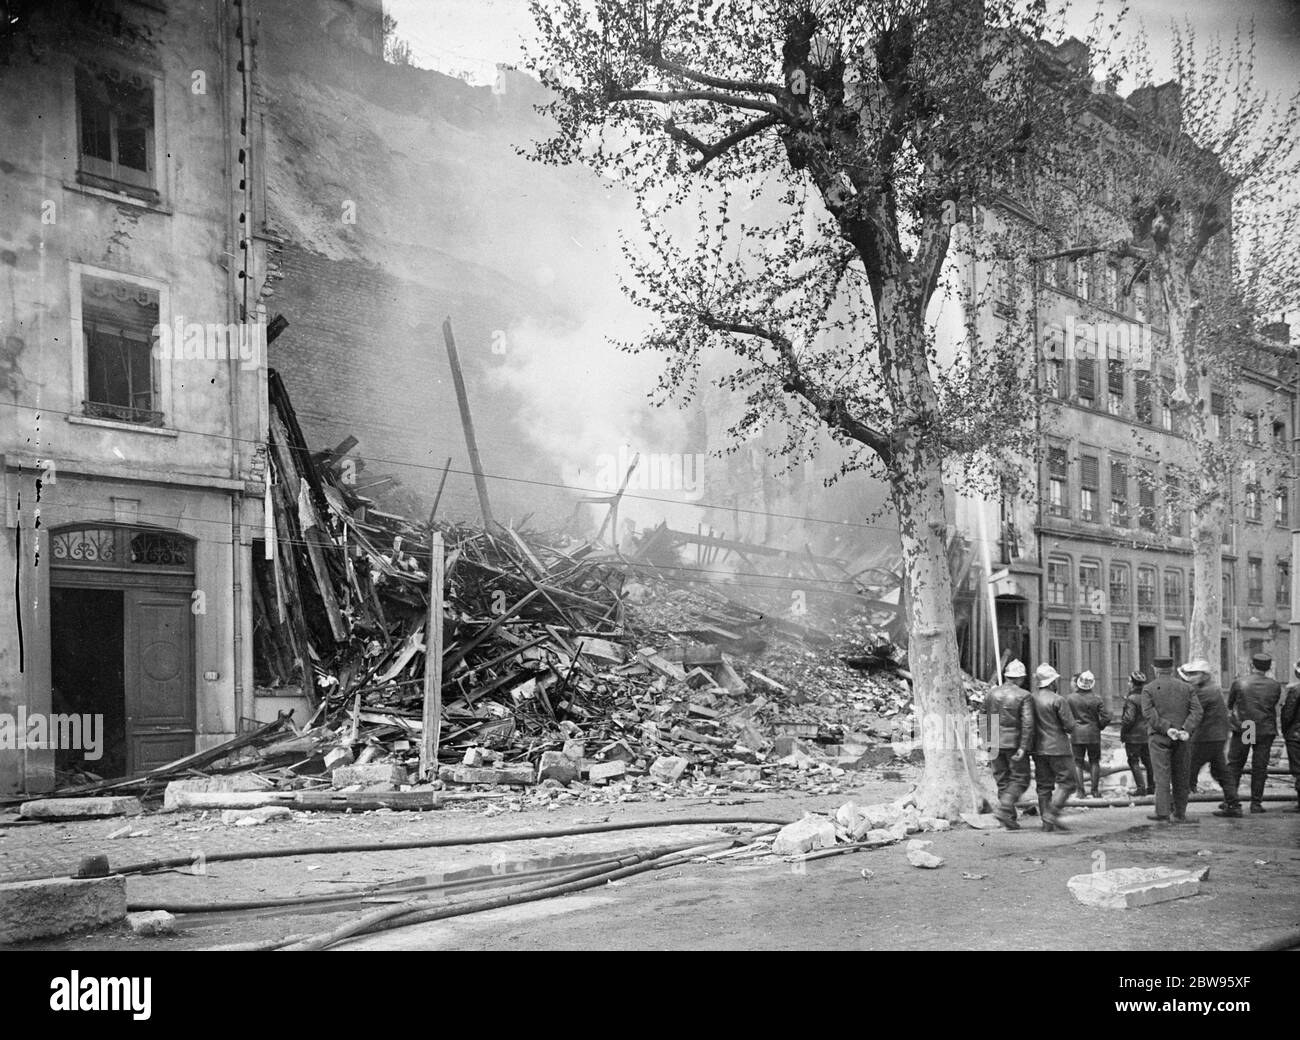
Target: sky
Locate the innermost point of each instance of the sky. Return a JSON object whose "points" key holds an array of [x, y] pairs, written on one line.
{"points": [[469, 37]]}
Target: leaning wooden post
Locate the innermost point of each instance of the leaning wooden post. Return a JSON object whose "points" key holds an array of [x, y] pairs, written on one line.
{"points": [[432, 731], [471, 442]]}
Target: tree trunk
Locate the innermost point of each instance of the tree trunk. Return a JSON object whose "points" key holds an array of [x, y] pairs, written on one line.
{"points": [[1202, 462], [1207, 582], [952, 781]]}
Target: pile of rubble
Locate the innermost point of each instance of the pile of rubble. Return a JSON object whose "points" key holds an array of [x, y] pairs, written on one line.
{"points": [[567, 669]]}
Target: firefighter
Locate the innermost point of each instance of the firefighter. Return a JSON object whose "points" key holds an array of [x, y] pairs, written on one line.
{"points": [[1291, 731], [1252, 712], [1053, 759], [1172, 711], [1090, 718], [1009, 725], [1133, 732], [1211, 735]]}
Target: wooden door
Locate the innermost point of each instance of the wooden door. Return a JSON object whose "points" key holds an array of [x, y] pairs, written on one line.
{"points": [[159, 678]]}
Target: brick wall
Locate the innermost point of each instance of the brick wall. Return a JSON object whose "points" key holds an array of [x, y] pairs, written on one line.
{"points": [[364, 355]]}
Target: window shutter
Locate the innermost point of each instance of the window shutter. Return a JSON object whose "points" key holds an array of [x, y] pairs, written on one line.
{"points": [[1142, 396], [1090, 476], [1119, 481], [1087, 379]]}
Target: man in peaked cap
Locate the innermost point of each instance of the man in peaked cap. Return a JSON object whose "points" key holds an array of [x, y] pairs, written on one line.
{"points": [[1090, 718], [1211, 735], [1172, 711], [1252, 713], [1053, 758], [1133, 733], [1009, 723]]}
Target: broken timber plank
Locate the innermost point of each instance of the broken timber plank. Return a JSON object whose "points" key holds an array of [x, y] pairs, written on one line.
{"points": [[433, 663]]}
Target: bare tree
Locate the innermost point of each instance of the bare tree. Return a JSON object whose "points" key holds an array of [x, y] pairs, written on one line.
{"points": [[1204, 169], [864, 137]]}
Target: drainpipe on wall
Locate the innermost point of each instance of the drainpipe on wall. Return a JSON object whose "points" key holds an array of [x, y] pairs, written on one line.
{"points": [[244, 231]]}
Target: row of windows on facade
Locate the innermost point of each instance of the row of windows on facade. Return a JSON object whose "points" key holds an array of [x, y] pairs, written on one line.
{"points": [[1115, 399], [1060, 500], [1060, 650], [1086, 592], [1097, 282]]}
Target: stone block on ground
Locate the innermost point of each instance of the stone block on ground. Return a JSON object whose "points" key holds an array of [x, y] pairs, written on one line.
{"points": [[556, 765], [210, 785], [80, 808], [1127, 888], [981, 821], [521, 773], [152, 922], [369, 774], [255, 817], [57, 906], [806, 835], [668, 767], [601, 772]]}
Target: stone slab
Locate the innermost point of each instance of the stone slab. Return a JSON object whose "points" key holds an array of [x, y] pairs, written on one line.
{"points": [[56, 906]]}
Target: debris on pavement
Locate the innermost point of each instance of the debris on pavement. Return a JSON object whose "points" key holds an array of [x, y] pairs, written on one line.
{"points": [[1127, 888], [918, 855]]}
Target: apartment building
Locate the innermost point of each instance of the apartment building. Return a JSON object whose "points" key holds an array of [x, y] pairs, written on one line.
{"points": [[135, 391], [1094, 570]]}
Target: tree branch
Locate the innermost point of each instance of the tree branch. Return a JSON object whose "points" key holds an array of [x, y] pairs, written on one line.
{"points": [[718, 82], [709, 152], [832, 411], [668, 97], [1120, 247]]}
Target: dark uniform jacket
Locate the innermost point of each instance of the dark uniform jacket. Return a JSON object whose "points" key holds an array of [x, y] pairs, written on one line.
{"points": [[1291, 712], [1013, 708], [1214, 715], [1253, 698], [1090, 716], [1169, 703], [1053, 724], [1133, 724]]}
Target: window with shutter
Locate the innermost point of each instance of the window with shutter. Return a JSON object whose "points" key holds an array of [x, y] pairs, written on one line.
{"points": [[1119, 515], [1115, 386], [1142, 397], [1058, 483], [1147, 499], [1089, 486], [1087, 369], [1173, 506]]}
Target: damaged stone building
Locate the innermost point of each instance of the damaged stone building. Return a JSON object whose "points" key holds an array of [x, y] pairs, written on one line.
{"points": [[134, 395]]}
